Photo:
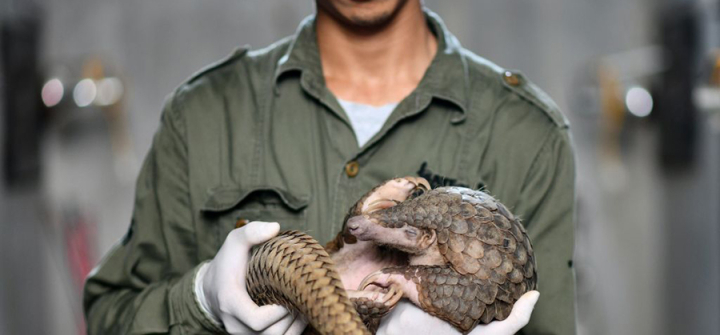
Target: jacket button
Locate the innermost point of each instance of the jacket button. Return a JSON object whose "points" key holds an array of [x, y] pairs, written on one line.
{"points": [[352, 169], [240, 223], [511, 78]]}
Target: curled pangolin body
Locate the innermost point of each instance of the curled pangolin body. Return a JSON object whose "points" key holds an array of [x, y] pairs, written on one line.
{"points": [[295, 271], [489, 264], [489, 258]]}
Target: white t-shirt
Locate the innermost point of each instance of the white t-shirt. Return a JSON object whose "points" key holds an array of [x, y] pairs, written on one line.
{"points": [[366, 120]]}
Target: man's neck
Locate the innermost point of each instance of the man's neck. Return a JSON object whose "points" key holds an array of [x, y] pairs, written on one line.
{"points": [[376, 67]]}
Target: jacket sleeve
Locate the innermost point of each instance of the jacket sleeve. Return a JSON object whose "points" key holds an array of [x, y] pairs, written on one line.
{"points": [[145, 284], [547, 206]]}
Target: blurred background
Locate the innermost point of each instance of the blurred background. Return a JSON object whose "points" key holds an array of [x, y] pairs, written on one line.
{"points": [[82, 83]]}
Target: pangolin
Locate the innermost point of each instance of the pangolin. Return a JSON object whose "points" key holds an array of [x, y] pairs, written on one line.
{"points": [[469, 260], [456, 253]]}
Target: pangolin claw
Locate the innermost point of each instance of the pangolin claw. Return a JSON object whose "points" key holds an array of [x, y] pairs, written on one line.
{"points": [[371, 280], [419, 182], [391, 298]]}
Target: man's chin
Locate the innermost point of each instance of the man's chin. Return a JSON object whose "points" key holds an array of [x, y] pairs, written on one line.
{"points": [[365, 14], [370, 21]]}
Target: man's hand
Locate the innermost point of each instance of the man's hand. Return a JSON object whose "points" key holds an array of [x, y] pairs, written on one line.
{"points": [[220, 285], [407, 318]]}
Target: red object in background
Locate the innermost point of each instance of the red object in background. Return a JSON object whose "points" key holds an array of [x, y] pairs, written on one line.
{"points": [[79, 232], [77, 240]]}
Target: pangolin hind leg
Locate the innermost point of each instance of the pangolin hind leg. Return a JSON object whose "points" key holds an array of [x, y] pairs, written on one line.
{"points": [[461, 300]]}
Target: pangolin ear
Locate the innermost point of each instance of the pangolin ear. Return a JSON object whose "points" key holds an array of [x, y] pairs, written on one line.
{"points": [[428, 238]]}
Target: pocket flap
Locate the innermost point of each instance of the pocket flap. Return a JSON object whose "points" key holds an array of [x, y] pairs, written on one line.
{"points": [[227, 197]]}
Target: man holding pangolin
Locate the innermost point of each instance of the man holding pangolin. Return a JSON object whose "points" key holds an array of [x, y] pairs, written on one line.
{"points": [[295, 133]]}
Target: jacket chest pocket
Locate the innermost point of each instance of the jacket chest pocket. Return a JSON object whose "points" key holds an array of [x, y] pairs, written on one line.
{"points": [[230, 206]]}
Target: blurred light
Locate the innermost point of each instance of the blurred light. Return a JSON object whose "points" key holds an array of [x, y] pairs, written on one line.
{"points": [[109, 91], [707, 98], [52, 92], [639, 101], [85, 92]]}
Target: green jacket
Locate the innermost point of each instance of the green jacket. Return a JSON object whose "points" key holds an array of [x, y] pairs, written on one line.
{"points": [[258, 136]]}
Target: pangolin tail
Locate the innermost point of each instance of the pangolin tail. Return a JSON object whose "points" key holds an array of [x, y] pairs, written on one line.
{"points": [[295, 271]]}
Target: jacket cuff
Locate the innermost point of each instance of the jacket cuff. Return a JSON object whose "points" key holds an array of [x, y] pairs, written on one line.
{"points": [[185, 309], [200, 295]]}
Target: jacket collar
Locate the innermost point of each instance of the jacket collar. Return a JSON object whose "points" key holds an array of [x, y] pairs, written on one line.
{"points": [[446, 78]]}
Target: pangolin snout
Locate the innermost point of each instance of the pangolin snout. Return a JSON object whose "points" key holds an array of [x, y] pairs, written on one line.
{"points": [[357, 225]]}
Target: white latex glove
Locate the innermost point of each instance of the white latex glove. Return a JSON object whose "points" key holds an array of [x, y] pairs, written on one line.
{"points": [[407, 318], [220, 287]]}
